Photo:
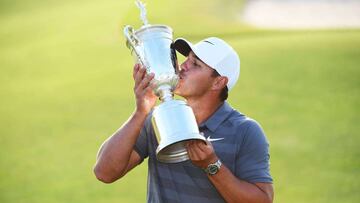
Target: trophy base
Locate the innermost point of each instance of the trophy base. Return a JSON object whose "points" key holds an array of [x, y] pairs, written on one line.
{"points": [[174, 153], [174, 124]]}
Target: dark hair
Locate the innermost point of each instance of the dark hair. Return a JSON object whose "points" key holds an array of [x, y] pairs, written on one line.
{"points": [[224, 92]]}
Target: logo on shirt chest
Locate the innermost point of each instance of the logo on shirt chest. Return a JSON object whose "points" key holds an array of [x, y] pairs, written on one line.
{"points": [[213, 139]]}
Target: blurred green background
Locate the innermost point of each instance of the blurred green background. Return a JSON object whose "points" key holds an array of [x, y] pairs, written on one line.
{"points": [[65, 86]]}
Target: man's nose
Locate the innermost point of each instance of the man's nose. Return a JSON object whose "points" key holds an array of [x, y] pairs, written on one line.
{"points": [[184, 66]]}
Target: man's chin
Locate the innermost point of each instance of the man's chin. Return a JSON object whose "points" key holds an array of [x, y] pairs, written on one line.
{"points": [[178, 92], [177, 89]]}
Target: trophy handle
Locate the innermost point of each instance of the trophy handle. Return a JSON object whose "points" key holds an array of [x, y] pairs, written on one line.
{"points": [[133, 43]]}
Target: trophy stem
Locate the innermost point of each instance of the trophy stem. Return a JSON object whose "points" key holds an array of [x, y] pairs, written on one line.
{"points": [[165, 93]]}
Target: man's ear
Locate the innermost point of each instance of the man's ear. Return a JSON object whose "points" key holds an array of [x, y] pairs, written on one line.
{"points": [[219, 83]]}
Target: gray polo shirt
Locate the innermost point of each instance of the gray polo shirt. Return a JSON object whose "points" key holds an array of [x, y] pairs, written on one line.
{"points": [[244, 149]]}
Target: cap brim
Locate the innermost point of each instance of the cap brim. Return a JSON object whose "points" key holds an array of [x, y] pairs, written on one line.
{"points": [[183, 46]]}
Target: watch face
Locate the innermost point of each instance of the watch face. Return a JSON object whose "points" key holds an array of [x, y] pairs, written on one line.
{"points": [[213, 169]]}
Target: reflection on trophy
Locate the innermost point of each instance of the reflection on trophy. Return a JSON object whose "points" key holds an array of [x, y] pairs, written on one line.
{"points": [[173, 120]]}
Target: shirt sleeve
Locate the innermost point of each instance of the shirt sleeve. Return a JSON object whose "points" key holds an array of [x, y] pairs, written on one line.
{"points": [[141, 145], [252, 162]]}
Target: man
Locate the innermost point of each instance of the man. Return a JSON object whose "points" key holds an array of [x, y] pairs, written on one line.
{"points": [[233, 166]]}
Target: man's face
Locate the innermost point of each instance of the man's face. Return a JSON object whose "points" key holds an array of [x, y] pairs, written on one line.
{"points": [[195, 78]]}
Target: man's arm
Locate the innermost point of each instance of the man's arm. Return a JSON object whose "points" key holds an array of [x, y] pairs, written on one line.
{"points": [[116, 155], [229, 186], [233, 189]]}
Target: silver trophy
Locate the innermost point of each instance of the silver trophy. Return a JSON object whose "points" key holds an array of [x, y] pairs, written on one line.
{"points": [[173, 120]]}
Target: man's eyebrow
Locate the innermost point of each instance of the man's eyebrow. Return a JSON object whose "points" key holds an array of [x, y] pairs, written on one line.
{"points": [[196, 57], [199, 59]]}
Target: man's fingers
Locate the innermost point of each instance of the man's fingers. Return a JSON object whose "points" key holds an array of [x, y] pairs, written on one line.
{"points": [[137, 67], [146, 80], [139, 75], [197, 152], [201, 145], [206, 146], [149, 91], [192, 155], [152, 85]]}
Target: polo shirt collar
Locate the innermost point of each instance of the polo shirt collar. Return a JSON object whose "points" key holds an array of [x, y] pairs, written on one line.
{"points": [[213, 122]]}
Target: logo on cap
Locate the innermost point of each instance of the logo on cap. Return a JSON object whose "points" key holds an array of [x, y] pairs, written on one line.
{"points": [[209, 42]]}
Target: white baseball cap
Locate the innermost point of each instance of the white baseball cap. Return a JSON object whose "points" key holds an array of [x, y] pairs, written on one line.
{"points": [[216, 53]]}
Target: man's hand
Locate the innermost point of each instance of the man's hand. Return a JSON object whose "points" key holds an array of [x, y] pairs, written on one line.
{"points": [[230, 187], [200, 153], [143, 89]]}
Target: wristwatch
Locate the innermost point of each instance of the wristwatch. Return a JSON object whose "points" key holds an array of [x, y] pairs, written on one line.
{"points": [[213, 168]]}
